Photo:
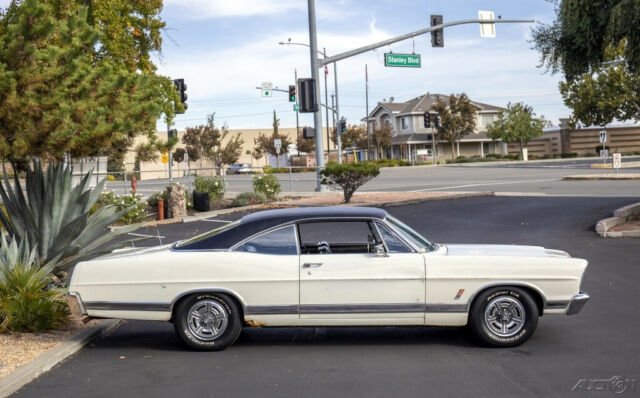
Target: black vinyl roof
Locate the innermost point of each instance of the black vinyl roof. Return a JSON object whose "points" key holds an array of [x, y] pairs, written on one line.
{"points": [[262, 220]]}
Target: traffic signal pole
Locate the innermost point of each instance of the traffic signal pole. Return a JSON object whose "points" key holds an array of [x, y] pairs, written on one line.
{"points": [[337, 112], [317, 63], [315, 75]]}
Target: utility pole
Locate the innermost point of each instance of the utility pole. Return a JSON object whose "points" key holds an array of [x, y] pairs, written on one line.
{"points": [[326, 101], [337, 113], [295, 81], [366, 80], [317, 116]]}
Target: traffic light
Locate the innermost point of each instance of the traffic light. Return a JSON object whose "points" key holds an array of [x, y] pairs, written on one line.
{"points": [[308, 95], [343, 126], [173, 133], [437, 36], [427, 120], [292, 93], [181, 87], [436, 121], [308, 132]]}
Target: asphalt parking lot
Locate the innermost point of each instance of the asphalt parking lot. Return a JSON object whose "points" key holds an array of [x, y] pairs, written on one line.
{"points": [[147, 358]]}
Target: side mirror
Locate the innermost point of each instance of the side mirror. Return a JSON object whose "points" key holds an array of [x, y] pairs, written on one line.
{"points": [[380, 251]]}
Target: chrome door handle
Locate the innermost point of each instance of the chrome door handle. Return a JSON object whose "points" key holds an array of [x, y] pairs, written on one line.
{"points": [[309, 265]]}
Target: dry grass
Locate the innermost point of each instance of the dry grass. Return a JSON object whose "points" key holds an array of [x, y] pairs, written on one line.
{"points": [[17, 349]]}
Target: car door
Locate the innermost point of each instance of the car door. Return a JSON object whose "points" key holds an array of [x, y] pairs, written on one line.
{"points": [[342, 277]]}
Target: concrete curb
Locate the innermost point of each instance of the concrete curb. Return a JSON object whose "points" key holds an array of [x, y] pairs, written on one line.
{"points": [[29, 371], [620, 216], [621, 176], [503, 162]]}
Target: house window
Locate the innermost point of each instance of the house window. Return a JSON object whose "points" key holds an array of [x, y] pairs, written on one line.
{"points": [[486, 120], [405, 123]]}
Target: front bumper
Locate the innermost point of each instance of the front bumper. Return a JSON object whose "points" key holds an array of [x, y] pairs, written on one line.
{"points": [[577, 302], [75, 303]]}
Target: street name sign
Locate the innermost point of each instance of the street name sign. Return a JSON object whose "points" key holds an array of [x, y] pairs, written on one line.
{"points": [[603, 136], [402, 60], [617, 160], [165, 156]]}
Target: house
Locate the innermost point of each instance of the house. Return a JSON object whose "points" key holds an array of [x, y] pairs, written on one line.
{"points": [[413, 141]]}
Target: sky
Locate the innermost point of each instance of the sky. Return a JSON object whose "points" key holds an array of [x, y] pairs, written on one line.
{"points": [[224, 49]]}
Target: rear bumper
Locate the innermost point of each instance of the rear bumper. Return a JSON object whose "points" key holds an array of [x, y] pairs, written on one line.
{"points": [[75, 304], [577, 302]]}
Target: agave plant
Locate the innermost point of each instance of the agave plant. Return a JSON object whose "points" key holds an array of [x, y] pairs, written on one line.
{"points": [[54, 216], [28, 303]]}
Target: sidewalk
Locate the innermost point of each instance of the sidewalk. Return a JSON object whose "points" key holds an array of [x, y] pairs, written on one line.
{"points": [[377, 198]]}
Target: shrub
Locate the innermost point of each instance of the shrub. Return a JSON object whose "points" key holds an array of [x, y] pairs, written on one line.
{"points": [[249, 198], [214, 186], [349, 176], [268, 185], [27, 301], [137, 208]]}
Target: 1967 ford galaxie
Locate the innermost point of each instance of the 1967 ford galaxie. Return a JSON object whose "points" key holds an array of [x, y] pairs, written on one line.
{"points": [[329, 266]]}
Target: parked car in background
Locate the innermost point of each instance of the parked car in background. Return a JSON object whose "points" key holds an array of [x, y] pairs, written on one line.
{"points": [[239, 168], [329, 266]]}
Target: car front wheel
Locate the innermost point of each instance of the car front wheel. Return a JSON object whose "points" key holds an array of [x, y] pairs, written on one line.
{"points": [[208, 322], [503, 317]]}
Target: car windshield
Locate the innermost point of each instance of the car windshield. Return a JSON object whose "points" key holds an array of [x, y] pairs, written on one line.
{"points": [[207, 234], [417, 239]]}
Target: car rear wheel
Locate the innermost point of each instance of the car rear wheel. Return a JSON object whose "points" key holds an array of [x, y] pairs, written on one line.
{"points": [[503, 317], [208, 322]]}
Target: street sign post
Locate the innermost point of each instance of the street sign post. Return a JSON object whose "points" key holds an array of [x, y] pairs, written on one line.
{"points": [[604, 154], [402, 60], [603, 136], [617, 161]]}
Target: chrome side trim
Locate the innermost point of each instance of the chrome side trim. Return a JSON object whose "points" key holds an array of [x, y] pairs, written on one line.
{"points": [[360, 308], [127, 306], [447, 308], [577, 303], [206, 291], [271, 310], [506, 283]]}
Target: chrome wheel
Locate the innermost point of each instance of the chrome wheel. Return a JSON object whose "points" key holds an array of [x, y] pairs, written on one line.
{"points": [[207, 319], [504, 316]]}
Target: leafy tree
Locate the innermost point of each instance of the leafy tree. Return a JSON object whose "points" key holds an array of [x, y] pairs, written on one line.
{"points": [[577, 41], [518, 124], [349, 176], [586, 34], [354, 137], [306, 145], [210, 142], [265, 144], [59, 96], [457, 118], [381, 138], [609, 92], [178, 155]]}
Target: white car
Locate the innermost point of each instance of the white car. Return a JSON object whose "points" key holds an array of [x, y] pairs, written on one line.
{"points": [[329, 266]]}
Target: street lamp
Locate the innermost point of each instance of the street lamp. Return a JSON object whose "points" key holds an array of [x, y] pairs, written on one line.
{"points": [[326, 96]]}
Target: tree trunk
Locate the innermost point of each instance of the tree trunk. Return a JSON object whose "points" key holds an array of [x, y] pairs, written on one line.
{"points": [[453, 150]]}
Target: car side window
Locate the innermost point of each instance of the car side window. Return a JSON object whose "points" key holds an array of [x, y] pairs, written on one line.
{"points": [[333, 237], [280, 241], [394, 244]]}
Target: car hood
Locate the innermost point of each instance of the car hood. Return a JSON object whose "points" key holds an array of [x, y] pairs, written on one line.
{"points": [[503, 250]]}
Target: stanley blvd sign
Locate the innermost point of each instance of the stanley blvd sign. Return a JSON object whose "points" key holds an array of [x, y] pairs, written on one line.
{"points": [[407, 60]]}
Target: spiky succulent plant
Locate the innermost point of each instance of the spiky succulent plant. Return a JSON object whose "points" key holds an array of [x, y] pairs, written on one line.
{"points": [[54, 216]]}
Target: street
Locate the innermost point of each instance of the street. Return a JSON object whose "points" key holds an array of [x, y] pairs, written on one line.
{"points": [[539, 177], [599, 343]]}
